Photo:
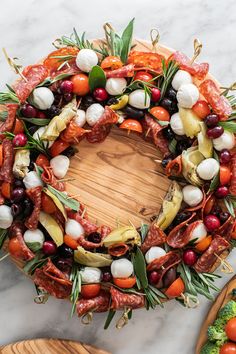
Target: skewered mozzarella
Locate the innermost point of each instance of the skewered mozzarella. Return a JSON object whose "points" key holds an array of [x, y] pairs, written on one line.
{"points": [[122, 268], [192, 195], [32, 180], [80, 118], [94, 113], [139, 99], [199, 233], [208, 169], [6, 217], [115, 85], [187, 95], [42, 98], [177, 124], [60, 165], [91, 275], [154, 253], [225, 141], [86, 59], [33, 237], [74, 229], [181, 77]]}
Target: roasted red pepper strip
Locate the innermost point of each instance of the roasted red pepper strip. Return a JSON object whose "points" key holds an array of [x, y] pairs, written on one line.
{"points": [[6, 173], [35, 195]]}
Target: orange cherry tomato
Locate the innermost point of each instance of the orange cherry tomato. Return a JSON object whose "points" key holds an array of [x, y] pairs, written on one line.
{"points": [[19, 127], [42, 161], [111, 62], [70, 242], [1, 155], [6, 190], [160, 113], [230, 329], [53, 63], [225, 175], [57, 147], [47, 204], [201, 109], [143, 76], [88, 291], [176, 288], [80, 84], [202, 245], [14, 248], [209, 205], [125, 283], [132, 124], [228, 348]]}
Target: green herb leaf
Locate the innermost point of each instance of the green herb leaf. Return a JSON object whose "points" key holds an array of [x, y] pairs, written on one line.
{"points": [[37, 262], [144, 230], [3, 236], [229, 126], [214, 183], [127, 41], [70, 202], [140, 267], [110, 315], [168, 71], [8, 97], [230, 206], [36, 121], [97, 78], [34, 246], [76, 279], [3, 116], [172, 145]]}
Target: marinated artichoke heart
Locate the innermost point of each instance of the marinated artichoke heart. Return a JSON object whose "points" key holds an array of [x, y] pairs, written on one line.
{"points": [[52, 228], [122, 102], [59, 123], [191, 158], [21, 163], [205, 145], [124, 234], [190, 122], [91, 259], [170, 206], [56, 201]]}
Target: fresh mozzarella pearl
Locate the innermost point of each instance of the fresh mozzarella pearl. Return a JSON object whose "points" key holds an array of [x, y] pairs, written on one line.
{"points": [[192, 195], [80, 118], [42, 98], [32, 180], [86, 59], [181, 77], [94, 113], [33, 236], [60, 165], [176, 124], [199, 233], [208, 168], [74, 229], [154, 253], [37, 136], [225, 141], [91, 275], [122, 268], [6, 217], [139, 99], [187, 95], [115, 85]]}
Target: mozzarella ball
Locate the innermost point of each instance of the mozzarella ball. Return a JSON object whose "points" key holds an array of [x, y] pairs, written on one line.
{"points": [[60, 165], [187, 95], [38, 134], [208, 169], [192, 195], [74, 229], [181, 77], [154, 253], [139, 99], [94, 113], [91, 275], [199, 233], [32, 180], [42, 98], [177, 124], [6, 217], [86, 59], [80, 118], [115, 85], [122, 268], [34, 236], [225, 141]]}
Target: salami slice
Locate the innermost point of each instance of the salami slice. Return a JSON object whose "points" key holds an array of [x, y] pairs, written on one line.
{"points": [[148, 60], [48, 177], [125, 71], [6, 172], [226, 229], [155, 237], [102, 128], [162, 264], [35, 195], [197, 70], [2, 199], [219, 103], [120, 300], [207, 260], [152, 131], [73, 133], [17, 230], [53, 60], [88, 226], [118, 249], [99, 303], [232, 187], [105, 231], [8, 125], [34, 75]]}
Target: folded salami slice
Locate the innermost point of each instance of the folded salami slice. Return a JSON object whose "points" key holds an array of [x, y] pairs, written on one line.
{"points": [[35, 195], [48, 177], [155, 237], [105, 231], [207, 260], [120, 300], [17, 229], [125, 71], [181, 234], [88, 226], [152, 130], [53, 60], [34, 75], [6, 170], [147, 60], [226, 229], [197, 70], [8, 125], [162, 264], [99, 303], [232, 187]]}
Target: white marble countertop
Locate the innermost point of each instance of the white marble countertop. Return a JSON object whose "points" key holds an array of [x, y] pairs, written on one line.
{"points": [[27, 29]]}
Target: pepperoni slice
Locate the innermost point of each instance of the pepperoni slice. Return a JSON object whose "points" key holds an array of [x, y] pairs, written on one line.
{"points": [[17, 230], [8, 125], [120, 300], [6, 173], [48, 177], [35, 195], [99, 303], [155, 237], [53, 63], [181, 234], [147, 60], [162, 264], [105, 231], [152, 131], [197, 70], [125, 71]]}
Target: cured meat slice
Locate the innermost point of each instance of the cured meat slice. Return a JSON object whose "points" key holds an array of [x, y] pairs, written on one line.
{"points": [[147, 60], [155, 237], [120, 300], [73, 133], [6, 170], [162, 264], [105, 231], [35, 195], [125, 71], [198, 70], [53, 62], [48, 177], [8, 125], [232, 187], [88, 226], [152, 130], [99, 303], [17, 230]]}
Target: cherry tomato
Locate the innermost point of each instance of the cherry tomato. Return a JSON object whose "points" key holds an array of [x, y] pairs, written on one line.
{"points": [[47, 204], [125, 283], [225, 175], [111, 62], [228, 348], [14, 248], [176, 288], [230, 329], [132, 124], [70, 242], [53, 63], [42, 161], [160, 113], [6, 190], [143, 76], [209, 205], [202, 245], [1, 155], [201, 109], [89, 291], [19, 127], [80, 84], [57, 147]]}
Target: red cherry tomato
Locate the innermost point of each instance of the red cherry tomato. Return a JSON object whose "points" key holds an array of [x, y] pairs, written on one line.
{"points": [[143, 76], [160, 113], [225, 175], [132, 124], [47, 204], [88, 291], [14, 248], [57, 147], [230, 329], [201, 109], [176, 288], [19, 127], [42, 160], [228, 348], [80, 84], [125, 283]]}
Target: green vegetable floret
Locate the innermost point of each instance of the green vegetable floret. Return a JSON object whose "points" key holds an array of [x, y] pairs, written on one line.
{"points": [[228, 311], [210, 348], [217, 334]]}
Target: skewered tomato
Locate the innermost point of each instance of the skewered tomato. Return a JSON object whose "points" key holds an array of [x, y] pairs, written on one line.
{"points": [[80, 84], [202, 245], [230, 329], [14, 247], [143, 76], [176, 288], [48, 205], [6, 190], [160, 113], [132, 124], [225, 175], [111, 62], [124, 283], [70, 242], [42, 161], [201, 109], [19, 127], [228, 348], [89, 291], [57, 147]]}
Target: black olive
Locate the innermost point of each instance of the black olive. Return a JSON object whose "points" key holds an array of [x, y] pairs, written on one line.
{"points": [[27, 207], [65, 251], [224, 216], [53, 111], [166, 159], [94, 237], [182, 216], [19, 183], [134, 112], [31, 166], [64, 265], [33, 129], [69, 152], [216, 210], [181, 146], [111, 101], [86, 102], [169, 105], [171, 93], [168, 133], [169, 277]]}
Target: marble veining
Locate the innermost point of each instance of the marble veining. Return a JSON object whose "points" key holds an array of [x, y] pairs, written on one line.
{"points": [[27, 29]]}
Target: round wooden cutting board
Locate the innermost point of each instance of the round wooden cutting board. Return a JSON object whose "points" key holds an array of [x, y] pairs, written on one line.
{"points": [[50, 346]]}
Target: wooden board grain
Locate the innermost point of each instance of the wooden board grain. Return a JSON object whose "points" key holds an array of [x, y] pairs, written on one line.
{"points": [[50, 346]]}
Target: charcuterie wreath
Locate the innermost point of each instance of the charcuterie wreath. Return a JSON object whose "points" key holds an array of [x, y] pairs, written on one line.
{"points": [[78, 92]]}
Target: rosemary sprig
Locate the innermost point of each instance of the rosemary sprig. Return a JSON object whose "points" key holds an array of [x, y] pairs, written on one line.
{"points": [[230, 203], [8, 97], [75, 278], [168, 72], [48, 81], [3, 116], [3, 236]]}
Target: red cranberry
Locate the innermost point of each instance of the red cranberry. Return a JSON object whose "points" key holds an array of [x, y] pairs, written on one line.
{"points": [[211, 120], [41, 115], [212, 222], [20, 140], [155, 94], [221, 192], [153, 277], [49, 248], [189, 257], [66, 87], [100, 94], [215, 132], [224, 216], [225, 156], [64, 265], [106, 277], [29, 111], [17, 194]]}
